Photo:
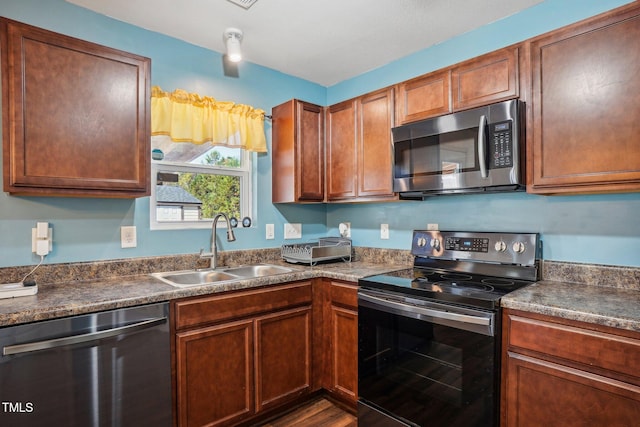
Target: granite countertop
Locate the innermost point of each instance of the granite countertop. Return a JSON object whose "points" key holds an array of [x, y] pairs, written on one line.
{"points": [[604, 295], [617, 307], [78, 297]]}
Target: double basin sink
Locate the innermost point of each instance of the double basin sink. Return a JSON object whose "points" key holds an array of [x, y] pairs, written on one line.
{"points": [[186, 278]]}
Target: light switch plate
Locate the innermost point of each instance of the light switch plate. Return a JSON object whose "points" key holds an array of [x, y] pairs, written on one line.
{"points": [[384, 231], [293, 231], [270, 232]]}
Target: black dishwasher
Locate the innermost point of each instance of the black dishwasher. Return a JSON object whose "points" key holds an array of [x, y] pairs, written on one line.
{"points": [[110, 368]]}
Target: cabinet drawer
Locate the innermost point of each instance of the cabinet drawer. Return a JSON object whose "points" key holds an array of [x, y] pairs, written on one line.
{"points": [[343, 294], [587, 347], [234, 305]]}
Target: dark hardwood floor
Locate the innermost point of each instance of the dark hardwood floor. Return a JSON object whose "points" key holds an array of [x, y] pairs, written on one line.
{"points": [[317, 413]]}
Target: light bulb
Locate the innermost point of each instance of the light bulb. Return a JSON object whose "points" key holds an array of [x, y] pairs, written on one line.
{"points": [[233, 37]]}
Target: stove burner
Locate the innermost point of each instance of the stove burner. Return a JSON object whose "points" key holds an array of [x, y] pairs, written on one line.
{"points": [[467, 286], [420, 273], [498, 282], [449, 276]]}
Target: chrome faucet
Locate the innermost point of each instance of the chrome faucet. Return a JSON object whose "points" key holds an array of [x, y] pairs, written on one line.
{"points": [[213, 254]]}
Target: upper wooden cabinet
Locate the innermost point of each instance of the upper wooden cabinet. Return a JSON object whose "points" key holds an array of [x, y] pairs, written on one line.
{"points": [[341, 151], [486, 79], [359, 148], [298, 152], [75, 116], [423, 97], [586, 105], [479, 81]]}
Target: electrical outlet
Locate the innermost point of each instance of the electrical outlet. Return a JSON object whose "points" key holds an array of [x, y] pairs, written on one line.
{"points": [[384, 231], [270, 232], [128, 236], [432, 227], [293, 231], [345, 229], [34, 240]]}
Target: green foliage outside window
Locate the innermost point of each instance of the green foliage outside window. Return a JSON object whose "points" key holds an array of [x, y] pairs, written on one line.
{"points": [[218, 193]]}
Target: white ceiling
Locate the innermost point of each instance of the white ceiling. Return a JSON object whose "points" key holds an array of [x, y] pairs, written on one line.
{"points": [[324, 41]]}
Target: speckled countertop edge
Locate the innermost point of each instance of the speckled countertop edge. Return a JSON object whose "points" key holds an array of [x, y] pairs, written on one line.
{"points": [[605, 295], [607, 306], [79, 297]]}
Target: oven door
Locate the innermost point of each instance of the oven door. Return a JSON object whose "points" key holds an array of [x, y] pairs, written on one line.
{"points": [[422, 363]]}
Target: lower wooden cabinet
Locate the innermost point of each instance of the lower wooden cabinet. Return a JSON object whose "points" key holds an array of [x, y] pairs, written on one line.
{"points": [[282, 356], [215, 374], [240, 354], [341, 338], [563, 373]]}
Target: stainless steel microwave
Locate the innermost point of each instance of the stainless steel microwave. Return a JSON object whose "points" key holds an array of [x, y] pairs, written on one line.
{"points": [[478, 150]]}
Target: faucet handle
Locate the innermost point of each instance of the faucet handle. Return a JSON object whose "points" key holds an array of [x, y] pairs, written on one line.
{"points": [[204, 254]]}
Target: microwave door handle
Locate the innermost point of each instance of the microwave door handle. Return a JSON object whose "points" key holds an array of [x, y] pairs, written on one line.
{"points": [[482, 146]]}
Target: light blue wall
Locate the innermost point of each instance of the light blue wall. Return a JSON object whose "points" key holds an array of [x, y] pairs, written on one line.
{"points": [[596, 229], [89, 229], [601, 229]]}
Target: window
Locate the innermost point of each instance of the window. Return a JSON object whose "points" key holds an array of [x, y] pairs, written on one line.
{"points": [[192, 183]]}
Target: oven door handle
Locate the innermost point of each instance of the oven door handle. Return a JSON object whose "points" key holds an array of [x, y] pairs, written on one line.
{"points": [[436, 314]]}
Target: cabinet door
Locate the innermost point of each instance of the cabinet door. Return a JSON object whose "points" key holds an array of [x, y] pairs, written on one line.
{"points": [[76, 116], [283, 357], [214, 371], [423, 97], [344, 353], [341, 151], [486, 79], [375, 149], [341, 317], [586, 106], [540, 393], [298, 152]]}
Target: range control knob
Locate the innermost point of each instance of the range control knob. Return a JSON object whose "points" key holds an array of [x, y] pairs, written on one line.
{"points": [[501, 246], [435, 244], [518, 247], [422, 242]]}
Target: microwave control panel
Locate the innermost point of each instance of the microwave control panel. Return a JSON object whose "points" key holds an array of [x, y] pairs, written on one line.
{"points": [[501, 145]]}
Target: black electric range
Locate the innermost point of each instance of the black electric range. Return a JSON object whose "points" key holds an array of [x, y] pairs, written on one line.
{"points": [[465, 268], [429, 336]]}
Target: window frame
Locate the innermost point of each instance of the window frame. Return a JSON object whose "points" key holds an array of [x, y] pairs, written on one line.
{"points": [[245, 172]]}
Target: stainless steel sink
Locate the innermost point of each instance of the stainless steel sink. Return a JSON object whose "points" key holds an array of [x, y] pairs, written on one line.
{"points": [[193, 277], [258, 270], [186, 278]]}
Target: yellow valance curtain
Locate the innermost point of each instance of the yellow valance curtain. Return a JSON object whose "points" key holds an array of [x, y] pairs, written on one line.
{"points": [[189, 117]]}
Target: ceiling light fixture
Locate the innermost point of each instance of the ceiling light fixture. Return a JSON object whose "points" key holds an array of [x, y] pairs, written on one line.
{"points": [[232, 38]]}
